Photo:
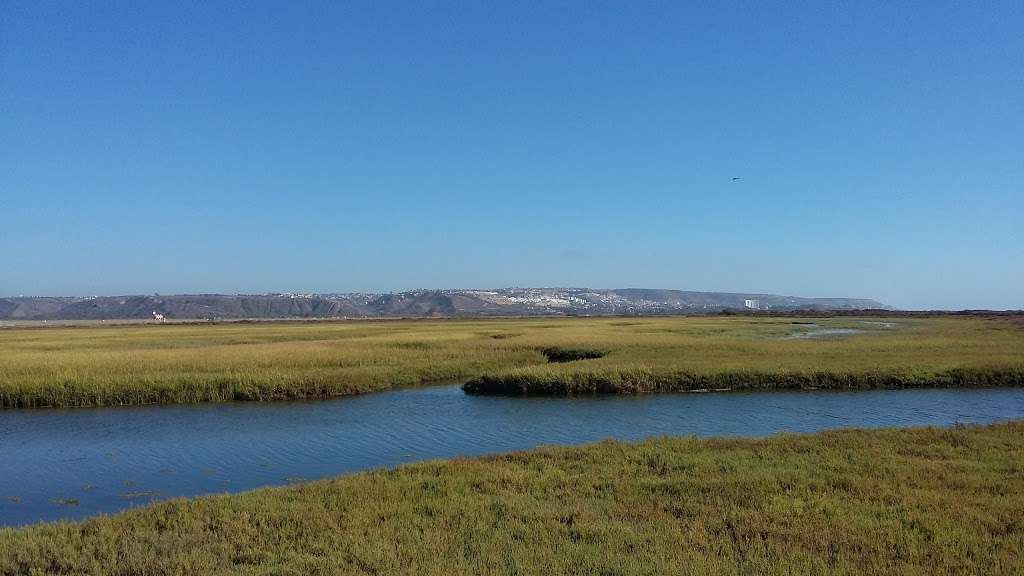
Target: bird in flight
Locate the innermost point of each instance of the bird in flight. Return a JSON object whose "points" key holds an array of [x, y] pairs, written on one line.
{"points": [[735, 178]]}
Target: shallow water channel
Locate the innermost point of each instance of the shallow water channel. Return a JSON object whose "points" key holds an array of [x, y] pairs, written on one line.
{"points": [[79, 462]]}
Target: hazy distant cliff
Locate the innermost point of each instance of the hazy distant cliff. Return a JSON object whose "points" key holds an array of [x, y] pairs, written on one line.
{"points": [[506, 301]]}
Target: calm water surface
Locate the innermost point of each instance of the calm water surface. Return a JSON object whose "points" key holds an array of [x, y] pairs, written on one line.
{"points": [[79, 462]]}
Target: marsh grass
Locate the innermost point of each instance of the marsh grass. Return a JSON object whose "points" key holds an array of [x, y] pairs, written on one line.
{"points": [[897, 501], [102, 366], [562, 354]]}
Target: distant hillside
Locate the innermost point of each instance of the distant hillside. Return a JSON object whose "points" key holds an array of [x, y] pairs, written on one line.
{"points": [[417, 303]]}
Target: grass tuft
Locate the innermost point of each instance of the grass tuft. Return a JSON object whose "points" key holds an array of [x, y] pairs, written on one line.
{"points": [[560, 354]]}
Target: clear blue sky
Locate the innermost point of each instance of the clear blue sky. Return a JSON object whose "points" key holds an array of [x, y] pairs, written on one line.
{"points": [[222, 147]]}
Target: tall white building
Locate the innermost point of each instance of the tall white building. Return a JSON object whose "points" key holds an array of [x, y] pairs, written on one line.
{"points": [[752, 304]]}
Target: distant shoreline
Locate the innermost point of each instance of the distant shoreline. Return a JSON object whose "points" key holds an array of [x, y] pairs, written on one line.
{"points": [[95, 323]]}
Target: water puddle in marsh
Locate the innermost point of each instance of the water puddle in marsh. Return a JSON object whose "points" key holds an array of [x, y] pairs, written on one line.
{"points": [[814, 330], [823, 333]]}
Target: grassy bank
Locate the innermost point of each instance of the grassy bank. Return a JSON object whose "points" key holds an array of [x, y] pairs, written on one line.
{"points": [[98, 366], [643, 380], [913, 501]]}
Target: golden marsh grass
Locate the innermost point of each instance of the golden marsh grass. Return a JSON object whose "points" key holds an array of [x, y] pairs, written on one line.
{"points": [[99, 366]]}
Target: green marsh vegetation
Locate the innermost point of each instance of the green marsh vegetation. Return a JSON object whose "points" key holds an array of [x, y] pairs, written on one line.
{"points": [[894, 501], [97, 366]]}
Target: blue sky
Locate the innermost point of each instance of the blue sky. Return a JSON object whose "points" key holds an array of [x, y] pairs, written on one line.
{"points": [[223, 147]]}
